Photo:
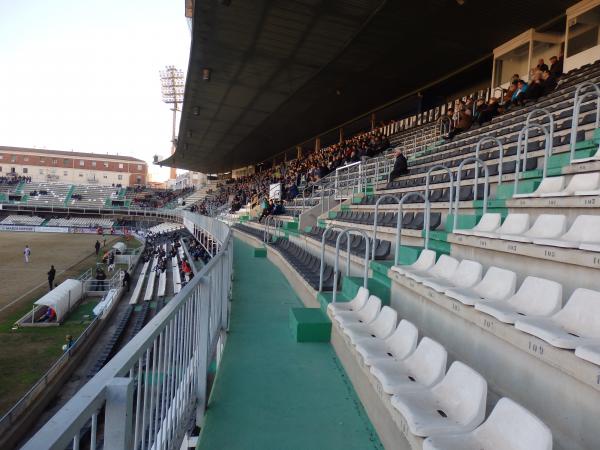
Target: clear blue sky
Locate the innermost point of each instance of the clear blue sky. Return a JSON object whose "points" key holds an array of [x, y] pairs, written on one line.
{"points": [[83, 74]]}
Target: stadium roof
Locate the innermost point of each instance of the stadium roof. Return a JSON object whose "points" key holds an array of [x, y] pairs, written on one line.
{"points": [[69, 153], [283, 71]]}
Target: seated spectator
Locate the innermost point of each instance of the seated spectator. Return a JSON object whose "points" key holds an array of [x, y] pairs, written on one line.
{"points": [[508, 94], [488, 111], [556, 67], [548, 81], [519, 95], [400, 165], [463, 118], [267, 210], [535, 88], [541, 66]]}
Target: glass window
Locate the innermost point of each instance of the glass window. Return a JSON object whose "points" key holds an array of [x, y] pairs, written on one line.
{"points": [[55, 161], [105, 165], [93, 163], [81, 162], [65, 162], [583, 31], [41, 171], [13, 158], [514, 62], [25, 169], [120, 166], [120, 177], [81, 175], [65, 173], [26, 158], [42, 160], [139, 167]]}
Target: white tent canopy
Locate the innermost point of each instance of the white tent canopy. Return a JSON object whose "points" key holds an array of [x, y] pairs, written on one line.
{"points": [[63, 297], [120, 247]]}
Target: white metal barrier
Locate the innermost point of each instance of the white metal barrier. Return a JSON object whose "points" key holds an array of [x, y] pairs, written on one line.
{"points": [[148, 394]]}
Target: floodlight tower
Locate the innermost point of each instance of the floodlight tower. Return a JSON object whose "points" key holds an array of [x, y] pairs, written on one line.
{"points": [[173, 87]]}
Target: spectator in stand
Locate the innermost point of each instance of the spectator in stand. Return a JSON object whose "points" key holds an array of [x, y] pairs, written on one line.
{"points": [[535, 88], [462, 119], [488, 111], [126, 279], [541, 65], [556, 67], [400, 165], [519, 95], [549, 82], [97, 247]]}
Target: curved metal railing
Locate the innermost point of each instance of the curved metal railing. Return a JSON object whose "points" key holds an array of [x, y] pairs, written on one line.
{"points": [[156, 385]]}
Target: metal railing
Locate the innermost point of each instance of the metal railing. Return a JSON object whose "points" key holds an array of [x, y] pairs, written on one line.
{"points": [[149, 393], [486, 186], [521, 166], [336, 270], [577, 101]]}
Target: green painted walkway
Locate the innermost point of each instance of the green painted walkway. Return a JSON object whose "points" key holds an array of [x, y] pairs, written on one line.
{"points": [[273, 393]]}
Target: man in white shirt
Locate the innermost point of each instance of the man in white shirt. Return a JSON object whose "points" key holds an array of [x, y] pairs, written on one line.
{"points": [[27, 253]]}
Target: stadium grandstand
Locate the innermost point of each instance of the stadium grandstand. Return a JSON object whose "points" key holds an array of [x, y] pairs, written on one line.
{"points": [[397, 247]]}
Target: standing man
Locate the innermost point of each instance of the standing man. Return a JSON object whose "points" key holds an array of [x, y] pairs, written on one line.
{"points": [[51, 275], [27, 253], [97, 247], [126, 279]]}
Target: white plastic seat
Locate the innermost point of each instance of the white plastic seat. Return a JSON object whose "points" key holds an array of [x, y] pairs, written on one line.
{"points": [[380, 327], [445, 266], [591, 185], [509, 427], [546, 226], [489, 222], [467, 275], [401, 343], [423, 368], [353, 305], [514, 224], [425, 261], [589, 352], [585, 231], [578, 323], [497, 284], [535, 297], [364, 315], [454, 405], [581, 182], [547, 185]]}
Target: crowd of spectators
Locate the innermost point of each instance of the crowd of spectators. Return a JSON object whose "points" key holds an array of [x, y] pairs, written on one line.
{"points": [[543, 80], [154, 198], [12, 180], [294, 175]]}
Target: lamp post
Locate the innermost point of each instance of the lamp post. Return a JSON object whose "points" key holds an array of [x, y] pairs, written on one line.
{"points": [[172, 89]]}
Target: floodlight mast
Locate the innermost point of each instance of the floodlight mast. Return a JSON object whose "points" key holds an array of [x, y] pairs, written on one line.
{"points": [[172, 90]]}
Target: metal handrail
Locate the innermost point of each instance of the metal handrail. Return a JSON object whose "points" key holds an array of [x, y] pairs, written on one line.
{"points": [[450, 176], [346, 232], [486, 183], [545, 114], [547, 151], [498, 142], [322, 267], [577, 106], [178, 342], [401, 201]]}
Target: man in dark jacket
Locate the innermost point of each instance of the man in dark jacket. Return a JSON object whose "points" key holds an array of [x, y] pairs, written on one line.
{"points": [[97, 247], [400, 165], [556, 67], [51, 275], [549, 82]]}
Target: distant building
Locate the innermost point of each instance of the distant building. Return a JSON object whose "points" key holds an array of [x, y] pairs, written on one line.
{"points": [[188, 179], [72, 167]]}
